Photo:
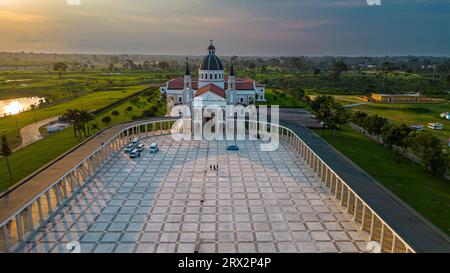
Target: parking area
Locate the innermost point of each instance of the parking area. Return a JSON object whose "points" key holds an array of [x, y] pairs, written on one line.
{"points": [[173, 201]]}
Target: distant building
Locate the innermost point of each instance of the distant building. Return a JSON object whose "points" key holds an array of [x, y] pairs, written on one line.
{"points": [[399, 98]]}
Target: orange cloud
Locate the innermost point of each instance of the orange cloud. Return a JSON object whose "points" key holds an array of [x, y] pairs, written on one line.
{"points": [[8, 16]]}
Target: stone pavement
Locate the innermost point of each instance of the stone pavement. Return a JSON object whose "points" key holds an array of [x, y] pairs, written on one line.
{"points": [[173, 202]]}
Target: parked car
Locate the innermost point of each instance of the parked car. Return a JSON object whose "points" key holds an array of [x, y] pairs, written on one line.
{"points": [[154, 148], [417, 127], [436, 126], [140, 147], [232, 148], [135, 141], [135, 153], [130, 147]]}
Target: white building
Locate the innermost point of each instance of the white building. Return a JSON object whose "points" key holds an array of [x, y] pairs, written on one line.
{"points": [[211, 87]]}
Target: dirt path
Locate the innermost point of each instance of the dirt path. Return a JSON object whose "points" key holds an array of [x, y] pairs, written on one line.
{"points": [[31, 134]]}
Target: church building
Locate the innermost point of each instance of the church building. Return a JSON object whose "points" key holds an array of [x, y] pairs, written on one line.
{"points": [[211, 87]]}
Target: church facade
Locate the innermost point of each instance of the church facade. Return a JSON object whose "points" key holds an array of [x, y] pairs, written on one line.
{"points": [[211, 87]]}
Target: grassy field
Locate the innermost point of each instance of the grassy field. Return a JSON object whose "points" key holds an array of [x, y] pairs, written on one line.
{"points": [[91, 101], [70, 84], [428, 194], [276, 97], [29, 159], [412, 114]]}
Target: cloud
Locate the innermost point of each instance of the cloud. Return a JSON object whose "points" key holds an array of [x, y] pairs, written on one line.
{"points": [[8, 16]]}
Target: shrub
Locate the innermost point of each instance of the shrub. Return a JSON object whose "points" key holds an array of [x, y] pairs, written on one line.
{"points": [[115, 113], [106, 119]]}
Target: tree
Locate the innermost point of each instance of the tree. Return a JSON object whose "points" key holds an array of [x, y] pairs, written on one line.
{"points": [[329, 112], [6, 152], [106, 120], [317, 71], [115, 113], [358, 118], [429, 148], [60, 67], [338, 68], [374, 124], [396, 135], [85, 120], [163, 65], [73, 116]]}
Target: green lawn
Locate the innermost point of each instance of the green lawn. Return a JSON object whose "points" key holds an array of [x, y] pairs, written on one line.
{"points": [[428, 194], [277, 97], [412, 114], [29, 159], [91, 101]]}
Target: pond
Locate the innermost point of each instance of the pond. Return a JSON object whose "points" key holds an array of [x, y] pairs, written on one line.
{"points": [[15, 106]]}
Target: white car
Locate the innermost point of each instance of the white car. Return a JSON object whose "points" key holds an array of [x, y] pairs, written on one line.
{"points": [[436, 126], [154, 148], [140, 147], [130, 147], [135, 153]]}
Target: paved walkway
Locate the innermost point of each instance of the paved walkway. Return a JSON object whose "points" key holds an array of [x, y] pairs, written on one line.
{"points": [[11, 202], [31, 134], [172, 201]]}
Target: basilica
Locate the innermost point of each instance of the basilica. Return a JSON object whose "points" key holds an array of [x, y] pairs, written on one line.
{"points": [[212, 87]]}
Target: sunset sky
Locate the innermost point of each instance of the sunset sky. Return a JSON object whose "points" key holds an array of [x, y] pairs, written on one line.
{"points": [[241, 27]]}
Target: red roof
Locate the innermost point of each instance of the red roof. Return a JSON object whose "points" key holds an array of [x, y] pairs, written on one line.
{"points": [[241, 84], [178, 84], [211, 88]]}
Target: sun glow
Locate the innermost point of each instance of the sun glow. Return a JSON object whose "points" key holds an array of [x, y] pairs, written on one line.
{"points": [[13, 108]]}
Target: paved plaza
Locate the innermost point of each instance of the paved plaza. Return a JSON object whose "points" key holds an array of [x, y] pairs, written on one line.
{"points": [[172, 201]]}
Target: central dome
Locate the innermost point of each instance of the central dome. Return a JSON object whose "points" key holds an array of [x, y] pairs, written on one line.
{"points": [[211, 62]]}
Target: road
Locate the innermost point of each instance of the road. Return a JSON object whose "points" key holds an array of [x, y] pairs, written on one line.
{"points": [[31, 134], [354, 105]]}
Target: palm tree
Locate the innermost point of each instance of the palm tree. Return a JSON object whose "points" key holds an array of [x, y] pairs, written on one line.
{"points": [[6, 151], [85, 120], [73, 115]]}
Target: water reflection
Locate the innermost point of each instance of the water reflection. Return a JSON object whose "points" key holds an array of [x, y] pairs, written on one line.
{"points": [[15, 106]]}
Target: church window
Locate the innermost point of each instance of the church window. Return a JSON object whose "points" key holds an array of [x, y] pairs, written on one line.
{"points": [[215, 76], [180, 99], [210, 76]]}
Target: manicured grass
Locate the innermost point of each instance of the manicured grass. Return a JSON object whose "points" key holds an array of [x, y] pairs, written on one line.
{"points": [[31, 158], [90, 102], [428, 194], [278, 97], [412, 114]]}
